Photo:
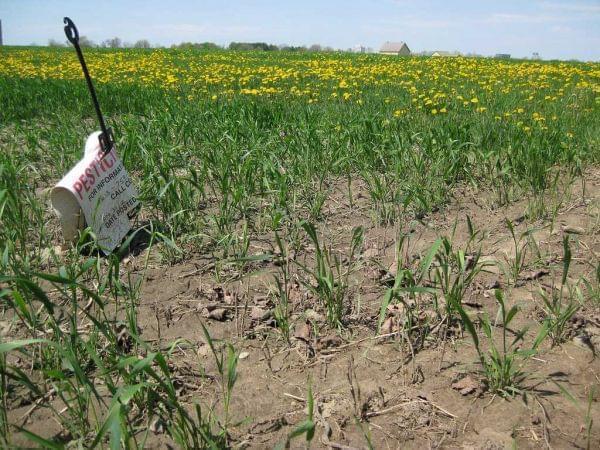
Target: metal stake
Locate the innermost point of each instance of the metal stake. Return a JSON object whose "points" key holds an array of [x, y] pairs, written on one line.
{"points": [[106, 137]]}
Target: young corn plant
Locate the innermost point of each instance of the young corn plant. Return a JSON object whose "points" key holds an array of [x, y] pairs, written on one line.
{"points": [[516, 265], [593, 287], [227, 368], [587, 413], [306, 427], [454, 272], [560, 305], [331, 284], [4, 424], [282, 294], [407, 282], [502, 364], [385, 196]]}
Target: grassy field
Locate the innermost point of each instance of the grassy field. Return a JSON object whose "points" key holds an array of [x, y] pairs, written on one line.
{"points": [[267, 174]]}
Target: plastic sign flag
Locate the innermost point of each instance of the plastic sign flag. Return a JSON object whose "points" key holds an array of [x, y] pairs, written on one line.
{"points": [[99, 190]]}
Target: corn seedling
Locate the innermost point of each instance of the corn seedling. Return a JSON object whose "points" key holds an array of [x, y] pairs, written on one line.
{"points": [[306, 427], [331, 284], [226, 361], [408, 283], [520, 243], [587, 413], [502, 364], [454, 272], [560, 307], [593, 287], [282, 294]]}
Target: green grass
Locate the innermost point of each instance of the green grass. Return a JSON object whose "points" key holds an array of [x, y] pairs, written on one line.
{"points": [[217, 175]]}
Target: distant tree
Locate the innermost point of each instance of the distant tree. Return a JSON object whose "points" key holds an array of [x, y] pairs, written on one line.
{"points": [[112, 43], [253, 46], [207, 46], [55, 43], [328, 49], [315, 48], [142, 43], [210, 46], [291, 48], [127, 44], [84, 41], [197, 45]]}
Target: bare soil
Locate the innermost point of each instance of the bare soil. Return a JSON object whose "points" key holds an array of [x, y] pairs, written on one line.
{"points": [[421, 389]]}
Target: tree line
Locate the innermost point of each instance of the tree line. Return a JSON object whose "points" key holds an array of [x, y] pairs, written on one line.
{"points": [[116, 42]]}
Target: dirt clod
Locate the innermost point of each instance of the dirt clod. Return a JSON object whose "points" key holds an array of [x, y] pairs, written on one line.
{"points": [[259, 314], [328, 342], [466, 385], [570, 229], [218, 314], [536, 274], [303, 332]]}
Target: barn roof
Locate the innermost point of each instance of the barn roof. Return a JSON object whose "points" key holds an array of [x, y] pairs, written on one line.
{"points": [[392, 46]]}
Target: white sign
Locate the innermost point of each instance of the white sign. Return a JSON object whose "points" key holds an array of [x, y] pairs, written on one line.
{"points": [[100, 187]]}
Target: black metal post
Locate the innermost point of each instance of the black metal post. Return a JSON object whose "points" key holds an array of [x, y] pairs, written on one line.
{"points": [[106, 137]]}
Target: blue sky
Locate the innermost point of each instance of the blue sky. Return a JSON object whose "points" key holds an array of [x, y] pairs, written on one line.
{"points": [[554, 28]]}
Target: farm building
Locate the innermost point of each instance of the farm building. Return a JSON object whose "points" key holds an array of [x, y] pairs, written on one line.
{"points": [[502, 56], [395, 48], [444, 53]]}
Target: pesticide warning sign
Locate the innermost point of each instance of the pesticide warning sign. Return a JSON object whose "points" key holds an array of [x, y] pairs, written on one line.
{"points": [[101, 189]]}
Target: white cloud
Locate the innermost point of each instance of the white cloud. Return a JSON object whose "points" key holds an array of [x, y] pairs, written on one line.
{"points": [[562, 29], [574, 7], [197, 31], [521, 18], [411, 21], [178, 28]]}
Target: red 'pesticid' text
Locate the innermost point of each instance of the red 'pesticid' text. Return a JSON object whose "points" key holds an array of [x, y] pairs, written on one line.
{"points": [[93, 172]]}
